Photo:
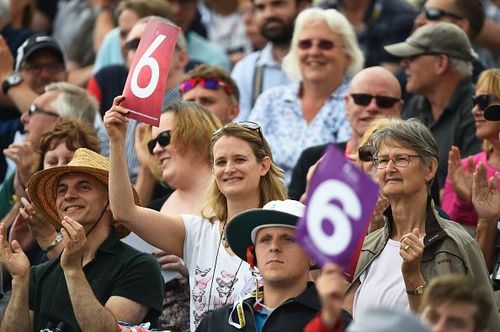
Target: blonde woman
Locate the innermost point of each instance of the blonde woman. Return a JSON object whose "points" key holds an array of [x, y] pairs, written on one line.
{"points": [[244, 177]]}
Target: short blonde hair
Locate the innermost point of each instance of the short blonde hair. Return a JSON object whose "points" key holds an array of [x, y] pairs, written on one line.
{"points": [[272, 185], [489, 80]]}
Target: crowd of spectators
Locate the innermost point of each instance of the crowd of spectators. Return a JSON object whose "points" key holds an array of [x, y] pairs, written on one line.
{"points": [[110, 224]]}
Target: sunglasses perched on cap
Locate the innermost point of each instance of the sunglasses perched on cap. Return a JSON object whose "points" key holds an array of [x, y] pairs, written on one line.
{"points": [[434, 14], [366, 153], [163, 139], [322, 44], [364, 99], [483, 101], [35, 109], [206, 83]]}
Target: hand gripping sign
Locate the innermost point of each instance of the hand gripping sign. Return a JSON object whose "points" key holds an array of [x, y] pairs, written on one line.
{"points": [[340, 202], [147, 77]]}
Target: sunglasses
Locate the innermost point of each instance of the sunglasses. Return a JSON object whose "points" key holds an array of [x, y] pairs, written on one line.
{"points": [[206, 83], [322, 44], [434, 14], [366, 153], [35, 109], [364, 99], [133, 44], [254, 126], [163, 139], [483, 101]]}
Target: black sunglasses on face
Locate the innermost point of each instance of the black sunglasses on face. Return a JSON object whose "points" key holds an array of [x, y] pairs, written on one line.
{"points": [[483, 101], [366, 153], [133, 44], [163, 139], [434, 14], [35, 109], [364, 99]]}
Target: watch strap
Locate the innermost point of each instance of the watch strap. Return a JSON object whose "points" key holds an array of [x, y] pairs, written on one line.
{"points": [[58, 239], [419, 290]]}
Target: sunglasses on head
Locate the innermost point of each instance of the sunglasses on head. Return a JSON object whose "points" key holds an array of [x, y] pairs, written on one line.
{"points": [[483, 101], [163, 139], [322, 44], [364, 99], [434, 14], [366, 153], [206, 83], [254, 126]]}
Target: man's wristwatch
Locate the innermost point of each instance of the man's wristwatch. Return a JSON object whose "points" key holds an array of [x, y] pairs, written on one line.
{"points": [[54, 243], [13, 79], [419, 290]]}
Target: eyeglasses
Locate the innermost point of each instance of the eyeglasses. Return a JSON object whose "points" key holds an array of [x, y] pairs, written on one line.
{"points": [[37, 68], [207, 83], [366, 153], [399, 160], [434, 14], [364, 99], [322, 44], [133, 44], [163, 139], [483, 101], [35, 109]]}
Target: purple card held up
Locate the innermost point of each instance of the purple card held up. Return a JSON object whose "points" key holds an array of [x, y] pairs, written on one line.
{"points": [[340, 202]]}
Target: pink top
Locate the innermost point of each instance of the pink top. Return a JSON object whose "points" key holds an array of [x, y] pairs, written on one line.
{"points": [[460, 211]]}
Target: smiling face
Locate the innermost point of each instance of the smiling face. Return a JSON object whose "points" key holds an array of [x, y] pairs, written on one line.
{"points": [[175, 166], [317, 64], [485, 129], [81, 197], [279, 258], [237, 171], [396, 181]]}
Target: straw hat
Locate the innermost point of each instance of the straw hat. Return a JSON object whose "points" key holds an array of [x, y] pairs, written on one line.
{"points": [[43, 185]]}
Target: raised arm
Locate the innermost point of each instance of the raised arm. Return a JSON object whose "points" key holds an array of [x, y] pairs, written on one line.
{"points": [[162, 231]]}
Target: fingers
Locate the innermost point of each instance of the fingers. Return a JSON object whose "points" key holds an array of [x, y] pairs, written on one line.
{"points": [[71, 231], [118, 100]]}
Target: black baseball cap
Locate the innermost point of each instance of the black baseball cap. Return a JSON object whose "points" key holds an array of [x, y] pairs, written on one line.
{"points": [[36, 43]]}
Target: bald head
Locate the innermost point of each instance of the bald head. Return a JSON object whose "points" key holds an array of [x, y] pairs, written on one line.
{"points": [[361, 109]]}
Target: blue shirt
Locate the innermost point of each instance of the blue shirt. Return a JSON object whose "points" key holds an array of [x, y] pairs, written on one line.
{"points": [[279, 113], [244, 72]]}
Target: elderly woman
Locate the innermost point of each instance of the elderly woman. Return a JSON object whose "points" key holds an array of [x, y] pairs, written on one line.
{"points": [[416, 244], [324, 55], [456, 200]]}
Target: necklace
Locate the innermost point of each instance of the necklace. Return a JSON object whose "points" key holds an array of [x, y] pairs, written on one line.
{"points": [[233, 282]]}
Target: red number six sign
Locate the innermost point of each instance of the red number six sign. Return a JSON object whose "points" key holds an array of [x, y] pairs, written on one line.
{"points": [[148, 73]]}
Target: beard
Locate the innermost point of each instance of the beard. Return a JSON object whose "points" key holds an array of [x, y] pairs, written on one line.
{"points": [[279, 35]]}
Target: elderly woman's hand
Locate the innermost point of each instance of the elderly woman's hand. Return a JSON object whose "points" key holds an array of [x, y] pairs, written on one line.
{"points": [[411, 251]]}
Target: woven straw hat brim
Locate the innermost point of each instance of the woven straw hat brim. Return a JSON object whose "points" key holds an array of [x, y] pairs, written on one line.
{"points": [[42, 189]]}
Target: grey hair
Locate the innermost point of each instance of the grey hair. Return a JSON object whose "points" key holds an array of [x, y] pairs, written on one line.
{"points": [[461, 67], [412, 134], [73, 102], [5, 10], [338, 24], [181, 40]]}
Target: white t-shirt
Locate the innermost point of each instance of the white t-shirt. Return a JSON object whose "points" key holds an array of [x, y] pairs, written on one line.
{"points": [[211, 290], [382, 282]]}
